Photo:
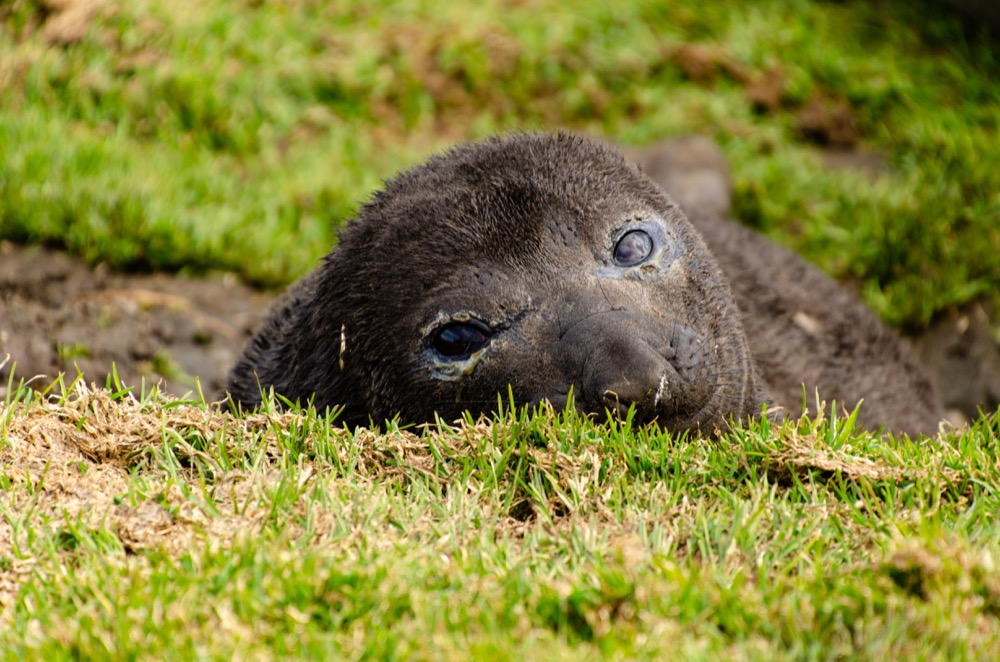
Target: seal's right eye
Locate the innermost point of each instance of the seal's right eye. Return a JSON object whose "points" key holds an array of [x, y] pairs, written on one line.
{"points": [[460, 340], [633, 248]]}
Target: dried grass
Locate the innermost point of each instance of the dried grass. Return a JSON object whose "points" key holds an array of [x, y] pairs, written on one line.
{"points": [[804, 458], [67, 464]]}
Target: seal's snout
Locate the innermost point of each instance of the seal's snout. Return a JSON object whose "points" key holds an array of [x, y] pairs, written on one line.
{"points": [[617, 360]]}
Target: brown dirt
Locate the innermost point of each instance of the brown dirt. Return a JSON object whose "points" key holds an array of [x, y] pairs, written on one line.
{"points": [[68, 20], [766, 90], [57, 315], [828, 122], [705, 63]]}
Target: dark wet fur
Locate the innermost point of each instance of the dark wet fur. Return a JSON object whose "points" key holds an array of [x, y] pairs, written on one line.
{"points": [[805, 330]]}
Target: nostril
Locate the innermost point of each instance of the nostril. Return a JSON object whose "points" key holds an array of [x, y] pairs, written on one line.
{"points": [[622, 395]]}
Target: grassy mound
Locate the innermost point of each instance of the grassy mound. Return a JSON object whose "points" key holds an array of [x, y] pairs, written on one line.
{"points": [[144, 527]]}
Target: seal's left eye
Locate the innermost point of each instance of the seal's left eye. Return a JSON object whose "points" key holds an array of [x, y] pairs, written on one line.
{"points": [[633, 248], [459, 340]]}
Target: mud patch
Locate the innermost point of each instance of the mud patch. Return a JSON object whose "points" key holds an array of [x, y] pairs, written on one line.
{"points": [[58, 315]]}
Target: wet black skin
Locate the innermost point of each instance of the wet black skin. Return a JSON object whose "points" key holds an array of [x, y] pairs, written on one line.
{"points": [[535, 264]]}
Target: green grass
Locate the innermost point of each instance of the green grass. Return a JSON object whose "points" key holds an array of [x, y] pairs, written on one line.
{"points": [[538, 534], [218, 135], [237, 136]]}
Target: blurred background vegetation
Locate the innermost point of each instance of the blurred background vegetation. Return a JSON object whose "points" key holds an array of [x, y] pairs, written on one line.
{"points": [[238, 135]]}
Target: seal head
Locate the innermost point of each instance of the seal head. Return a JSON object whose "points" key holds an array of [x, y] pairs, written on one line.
{"points": [[533, 263]]}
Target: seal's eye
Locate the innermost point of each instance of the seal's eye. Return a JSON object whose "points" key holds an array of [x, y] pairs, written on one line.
{"points": [[460, 340], [633, 248]]}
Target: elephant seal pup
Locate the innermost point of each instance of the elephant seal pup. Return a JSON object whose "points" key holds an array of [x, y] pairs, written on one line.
{"points": [[535, 263]]}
